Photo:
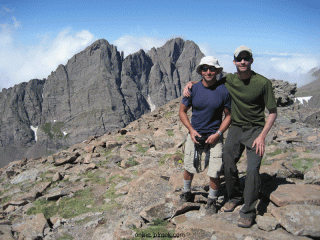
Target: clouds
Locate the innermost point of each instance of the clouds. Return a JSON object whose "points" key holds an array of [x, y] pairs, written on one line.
{"points": [[130, 44], [290, 67], [20, 63]]}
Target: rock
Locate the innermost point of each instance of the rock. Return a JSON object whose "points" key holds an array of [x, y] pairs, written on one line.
{"points": [[29, 175], [89, 148], [313, 120], [5, 232], [267, 223], [193, 225], [36, 191], [10, 208], [65, 157], [159, 211], [57, 177], [147, 190], [284, 92], [286, 194], [313, 175], [300, 220], [32, 228], [312, 138], [90, 167], [56, 194]]}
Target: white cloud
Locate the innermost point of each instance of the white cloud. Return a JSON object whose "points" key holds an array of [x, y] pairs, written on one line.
{"points": [[293, 68], [19, 63], [130, 44]]}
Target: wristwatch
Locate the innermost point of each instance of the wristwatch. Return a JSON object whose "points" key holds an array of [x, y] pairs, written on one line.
{"points": [[220, 133]]}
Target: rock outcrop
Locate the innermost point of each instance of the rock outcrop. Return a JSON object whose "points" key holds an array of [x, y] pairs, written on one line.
{"points": [[127, 184]]}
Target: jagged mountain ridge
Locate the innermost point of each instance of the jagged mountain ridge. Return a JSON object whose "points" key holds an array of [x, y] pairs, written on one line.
{"points": [[312, 88], [95, 92]]}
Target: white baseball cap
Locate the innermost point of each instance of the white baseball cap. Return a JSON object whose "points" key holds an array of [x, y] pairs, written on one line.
{"points": [[242, 49], [210, 61]]}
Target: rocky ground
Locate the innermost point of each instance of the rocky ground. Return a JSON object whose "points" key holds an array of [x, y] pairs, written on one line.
{"points": [[126, 185]]}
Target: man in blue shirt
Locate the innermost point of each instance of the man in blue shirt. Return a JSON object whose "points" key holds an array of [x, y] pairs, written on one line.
{"points": [[209, 99]]}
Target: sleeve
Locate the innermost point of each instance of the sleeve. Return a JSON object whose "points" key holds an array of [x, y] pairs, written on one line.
{"points": [[269, 97]]}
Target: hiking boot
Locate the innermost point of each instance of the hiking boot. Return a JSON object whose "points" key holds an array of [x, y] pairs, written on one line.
{"points": [[186, 197], [211, 207], [245, 222], [229, 207]]}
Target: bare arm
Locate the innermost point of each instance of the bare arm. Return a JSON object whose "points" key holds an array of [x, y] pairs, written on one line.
{"points": [[223, 127], [189, 85], [259, 141], [185, 120]]}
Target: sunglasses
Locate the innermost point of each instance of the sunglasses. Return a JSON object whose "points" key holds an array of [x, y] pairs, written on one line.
{"points": [[239, 59], [205, 69]]}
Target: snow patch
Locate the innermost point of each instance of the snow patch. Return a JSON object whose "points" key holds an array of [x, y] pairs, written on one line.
{"points": [[35, 129], [302, 99], [151, 105]]}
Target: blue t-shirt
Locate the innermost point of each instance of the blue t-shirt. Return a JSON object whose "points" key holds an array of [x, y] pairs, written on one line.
{"points": [[207, 107]]}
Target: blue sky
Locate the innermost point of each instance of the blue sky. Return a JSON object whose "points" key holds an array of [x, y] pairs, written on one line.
{"points": [[36, 36]]}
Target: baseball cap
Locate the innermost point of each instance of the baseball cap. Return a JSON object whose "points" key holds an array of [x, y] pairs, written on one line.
{"points": [[242, 49], [210, 61]]}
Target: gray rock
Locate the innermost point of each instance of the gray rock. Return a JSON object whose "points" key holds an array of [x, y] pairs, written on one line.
{"points": [[147, 190], [313, 120], [282, 193], [29, 175], [267, 223], [32, 228], [300, 220], [284, 92], [313, 175]]}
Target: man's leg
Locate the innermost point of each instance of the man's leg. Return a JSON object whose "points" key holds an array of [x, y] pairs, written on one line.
{"points": [[215, 165], [231, 154], [252, 182], [189, 171], [187, 180], [214, 185]]}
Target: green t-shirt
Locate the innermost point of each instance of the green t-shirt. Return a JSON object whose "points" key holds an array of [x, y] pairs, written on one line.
{"points": [[250, 97]]}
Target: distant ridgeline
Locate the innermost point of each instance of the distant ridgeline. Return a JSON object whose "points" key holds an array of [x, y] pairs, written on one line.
{"points": [[96, 92]]}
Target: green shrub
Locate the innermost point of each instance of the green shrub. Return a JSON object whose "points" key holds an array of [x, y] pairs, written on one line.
{"points": [[170, 133], [304, 165], [131, 162], [68, 207], [141, 149], [276, 152]]}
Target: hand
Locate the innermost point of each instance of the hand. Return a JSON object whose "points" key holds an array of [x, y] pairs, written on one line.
{"points": [[193, 134], [260, 145], [186, 92], [212, 139]]}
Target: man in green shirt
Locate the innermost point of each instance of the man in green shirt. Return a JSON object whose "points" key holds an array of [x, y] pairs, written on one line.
{"points": [[251, 93]]}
